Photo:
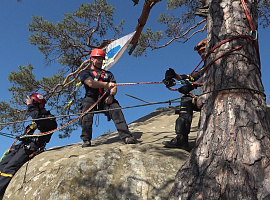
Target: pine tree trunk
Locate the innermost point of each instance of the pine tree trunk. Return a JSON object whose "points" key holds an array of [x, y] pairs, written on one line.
{"points": [[231, 157]]}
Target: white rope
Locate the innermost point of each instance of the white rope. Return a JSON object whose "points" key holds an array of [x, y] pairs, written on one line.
{"points": [[92, 112]]}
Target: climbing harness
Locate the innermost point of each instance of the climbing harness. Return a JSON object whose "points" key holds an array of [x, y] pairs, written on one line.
{"points": [[30, 128], [99, 77]]}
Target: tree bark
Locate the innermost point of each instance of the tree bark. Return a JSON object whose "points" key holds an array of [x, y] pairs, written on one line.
{"points": [[231, 156]]}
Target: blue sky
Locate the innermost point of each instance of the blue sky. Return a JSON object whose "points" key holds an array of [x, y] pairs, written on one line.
{"points": [[16, 50]]}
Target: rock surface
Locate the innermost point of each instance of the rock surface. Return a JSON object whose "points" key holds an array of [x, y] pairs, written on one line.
{"points": [[109, 170]]}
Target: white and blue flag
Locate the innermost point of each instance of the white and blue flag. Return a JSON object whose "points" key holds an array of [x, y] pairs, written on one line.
{"points": [[115, 50]]}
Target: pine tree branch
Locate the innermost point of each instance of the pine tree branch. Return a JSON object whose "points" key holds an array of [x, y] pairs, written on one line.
{"points": [[183, 35]]}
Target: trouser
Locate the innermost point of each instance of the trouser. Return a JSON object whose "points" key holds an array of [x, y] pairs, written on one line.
{"points": [[10, 164], [183, 122], [116, 115]]}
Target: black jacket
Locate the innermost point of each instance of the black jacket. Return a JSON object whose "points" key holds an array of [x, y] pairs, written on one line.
{"points": [[41, 126], [94, 92]]}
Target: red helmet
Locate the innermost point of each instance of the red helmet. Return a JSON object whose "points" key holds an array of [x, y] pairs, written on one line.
{"points": [[97, 52], [38, 98]]}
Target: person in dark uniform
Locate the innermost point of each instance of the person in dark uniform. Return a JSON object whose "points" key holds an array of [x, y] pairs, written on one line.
{"points": [[29, 146], [97, 81], [188, 103]]}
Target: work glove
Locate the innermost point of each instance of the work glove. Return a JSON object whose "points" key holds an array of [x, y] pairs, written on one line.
{"points": [[23, 139], [170, 73], [169, 82], [185, 89], [20, 138]]}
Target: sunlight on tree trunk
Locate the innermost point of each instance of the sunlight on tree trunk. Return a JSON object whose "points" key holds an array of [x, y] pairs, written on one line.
{"points": [[231, 157]]}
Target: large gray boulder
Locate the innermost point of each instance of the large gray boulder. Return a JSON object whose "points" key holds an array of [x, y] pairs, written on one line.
{"points": [[109, 170]]}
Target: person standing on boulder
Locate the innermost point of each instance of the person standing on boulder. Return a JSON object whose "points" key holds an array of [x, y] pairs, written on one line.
{"points": [[188, 103], [29, 146], [97, 81]]}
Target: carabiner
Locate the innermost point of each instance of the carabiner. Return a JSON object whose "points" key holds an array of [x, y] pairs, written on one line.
{"points": [[251, 33]]}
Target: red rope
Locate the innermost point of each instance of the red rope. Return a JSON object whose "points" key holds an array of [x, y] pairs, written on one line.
{"points": [[12, 145], [248, 16], [229, 39], [236, 48], [252, 29], [139, 83], [61, 127], [214, 48]]}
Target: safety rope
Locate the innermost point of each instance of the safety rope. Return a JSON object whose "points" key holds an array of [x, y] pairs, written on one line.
{"points": [[71, 94], [252, 28], [193, 73], [77, 85], [117, 84], [63, 126], [250, 37], [141, 83], [93, 112], [186, 82], [10, 148]]}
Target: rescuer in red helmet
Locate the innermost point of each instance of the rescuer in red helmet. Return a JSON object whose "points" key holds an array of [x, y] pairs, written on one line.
{"points": [[29, 146], [188, 103], [97, 81]]}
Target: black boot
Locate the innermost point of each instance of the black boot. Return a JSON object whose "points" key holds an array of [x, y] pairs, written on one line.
{"points": [[86, 143], [180, 142]]}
